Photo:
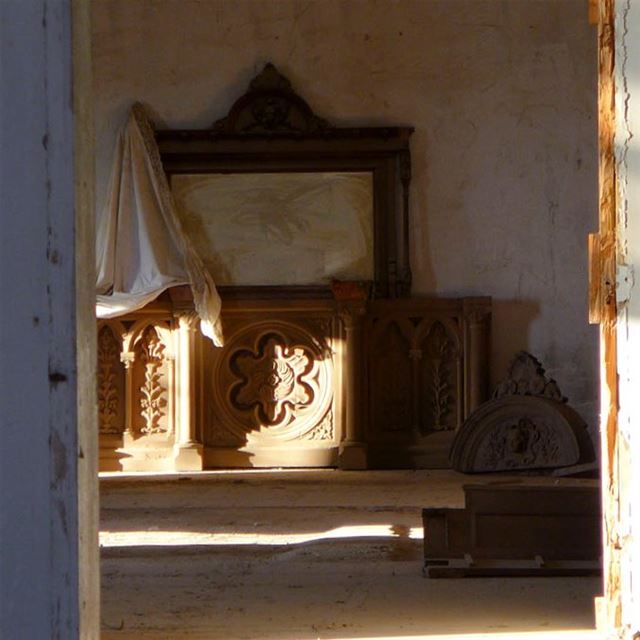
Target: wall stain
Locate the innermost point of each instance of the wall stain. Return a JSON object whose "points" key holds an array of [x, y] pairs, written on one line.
{"points": [[58, 458], [55, 378]]}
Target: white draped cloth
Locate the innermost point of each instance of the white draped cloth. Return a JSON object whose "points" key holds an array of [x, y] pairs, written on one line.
{"points": [[141, 248]]}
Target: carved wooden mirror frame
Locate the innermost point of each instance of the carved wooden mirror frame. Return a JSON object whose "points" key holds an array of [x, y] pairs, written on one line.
{"points": [[271, 129]]}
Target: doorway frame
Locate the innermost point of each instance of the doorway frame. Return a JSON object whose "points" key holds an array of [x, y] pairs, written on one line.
{"points": [[603, 308]]}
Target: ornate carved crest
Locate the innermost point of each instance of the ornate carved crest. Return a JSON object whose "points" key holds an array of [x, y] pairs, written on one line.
{"points": [[526, 377], [270, 107], [272, 380]]}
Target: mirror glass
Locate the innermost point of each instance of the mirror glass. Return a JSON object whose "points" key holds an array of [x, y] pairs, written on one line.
{"points": [[297, 228]]}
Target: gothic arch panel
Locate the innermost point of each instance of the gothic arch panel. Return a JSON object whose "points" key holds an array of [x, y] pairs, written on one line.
{"points": [[151, 382], [111, 381], [391, 380]]}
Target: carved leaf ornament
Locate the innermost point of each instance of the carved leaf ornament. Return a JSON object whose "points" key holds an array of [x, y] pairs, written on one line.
{"points": [[108, 402], [152, 393], [440, 354]]}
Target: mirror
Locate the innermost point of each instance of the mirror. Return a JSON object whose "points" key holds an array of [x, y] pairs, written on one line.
{"points": [[278, 202]]}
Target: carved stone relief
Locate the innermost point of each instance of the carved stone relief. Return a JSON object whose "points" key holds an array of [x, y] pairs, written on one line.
{"points": [[110, 383]]}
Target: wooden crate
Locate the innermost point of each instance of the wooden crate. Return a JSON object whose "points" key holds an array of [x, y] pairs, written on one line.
{"points": [[515, 530]]}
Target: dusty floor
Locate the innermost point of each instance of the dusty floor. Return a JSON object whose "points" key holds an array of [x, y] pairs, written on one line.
{"points": [[304, 555]]}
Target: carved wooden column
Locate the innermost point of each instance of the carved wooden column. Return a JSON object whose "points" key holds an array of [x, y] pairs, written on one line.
{"points": [[405, 180], [477, 319], [127, 358], [112, 410], [351, 299], [188, 451]]}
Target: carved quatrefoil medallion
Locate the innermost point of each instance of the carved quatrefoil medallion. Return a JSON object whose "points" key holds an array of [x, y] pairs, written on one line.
{"points": [[272, 380]]}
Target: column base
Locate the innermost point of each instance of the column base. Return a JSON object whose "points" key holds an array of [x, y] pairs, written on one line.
{"points": [[188, 457], [353, 456]]}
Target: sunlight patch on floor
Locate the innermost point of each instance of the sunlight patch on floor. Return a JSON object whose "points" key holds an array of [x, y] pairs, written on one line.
{"points": [[573, 634]]}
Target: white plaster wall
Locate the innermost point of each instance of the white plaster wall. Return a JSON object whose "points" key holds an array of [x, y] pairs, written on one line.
{"points": [[502, 94]]}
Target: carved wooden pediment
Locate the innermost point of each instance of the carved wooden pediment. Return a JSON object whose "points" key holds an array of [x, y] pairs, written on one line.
{"points": [[270, 107], [527, 425]]}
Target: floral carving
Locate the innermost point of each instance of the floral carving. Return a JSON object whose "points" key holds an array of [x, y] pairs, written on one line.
{"points": [[108, 401], [152, 393], [440, 393], [440, 352], [520, 445], [272, 380]]}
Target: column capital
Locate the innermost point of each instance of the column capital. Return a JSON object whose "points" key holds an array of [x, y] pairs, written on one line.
{"points": [[351, 312], [188, 320], [127, 358], [351, 298]]}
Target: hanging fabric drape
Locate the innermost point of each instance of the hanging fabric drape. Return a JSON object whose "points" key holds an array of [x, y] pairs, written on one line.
{"points": [[141, 249]]}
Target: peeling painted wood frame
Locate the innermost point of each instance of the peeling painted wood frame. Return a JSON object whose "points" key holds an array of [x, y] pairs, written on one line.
{"points": [[49, 558], [603, 259]]}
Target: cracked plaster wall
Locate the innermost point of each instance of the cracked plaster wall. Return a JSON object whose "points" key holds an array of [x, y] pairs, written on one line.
{"points": [[502, 94]]}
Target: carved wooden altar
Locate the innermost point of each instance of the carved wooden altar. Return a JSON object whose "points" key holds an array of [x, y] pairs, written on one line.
{"points": [[299, 383], [328, 364]]}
